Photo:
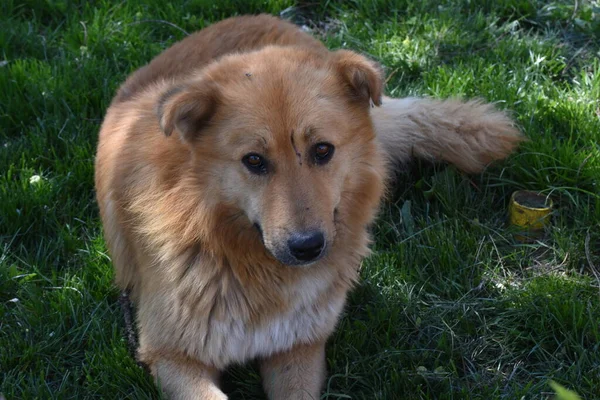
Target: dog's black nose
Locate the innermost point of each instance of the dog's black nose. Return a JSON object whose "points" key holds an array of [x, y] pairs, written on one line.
{"points": [[306, 246]]}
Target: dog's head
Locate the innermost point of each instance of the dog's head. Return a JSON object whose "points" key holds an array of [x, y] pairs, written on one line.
{"points": [[284, 136]]}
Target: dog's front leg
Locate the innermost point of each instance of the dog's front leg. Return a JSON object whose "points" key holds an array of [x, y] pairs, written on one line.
{"points": [[295, 374], [183, 379]]}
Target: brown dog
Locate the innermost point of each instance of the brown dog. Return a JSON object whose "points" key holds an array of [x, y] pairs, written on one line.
{"points": [[237, 174]]}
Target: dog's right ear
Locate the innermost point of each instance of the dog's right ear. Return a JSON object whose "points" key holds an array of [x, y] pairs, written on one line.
{"points": [[187, 108], [362, 76]]}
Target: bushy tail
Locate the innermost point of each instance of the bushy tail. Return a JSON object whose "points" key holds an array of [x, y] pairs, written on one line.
{"points": [[467, 134]]}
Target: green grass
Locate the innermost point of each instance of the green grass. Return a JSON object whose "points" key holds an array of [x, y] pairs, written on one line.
{"points": [[450, 306]]}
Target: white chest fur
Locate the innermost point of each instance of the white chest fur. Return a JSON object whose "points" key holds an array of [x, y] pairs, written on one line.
{"points": [[229, 338], [308, 320]]}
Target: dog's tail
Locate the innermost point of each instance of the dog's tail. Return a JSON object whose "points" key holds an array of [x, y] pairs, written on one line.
{"points": [[467, 134]]}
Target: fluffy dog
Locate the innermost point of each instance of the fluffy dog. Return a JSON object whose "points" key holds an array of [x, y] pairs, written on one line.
{"points": [[237, 175]]}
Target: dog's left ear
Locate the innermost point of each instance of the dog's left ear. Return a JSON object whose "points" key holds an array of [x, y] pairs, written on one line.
{"points": [[187, 108], [364, 78]]}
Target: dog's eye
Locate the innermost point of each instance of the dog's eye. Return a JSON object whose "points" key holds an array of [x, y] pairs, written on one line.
{"points": [[255, 163], [323, 152]]}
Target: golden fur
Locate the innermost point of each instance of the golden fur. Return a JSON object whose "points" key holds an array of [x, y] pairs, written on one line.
{"points": [[180, 209]]}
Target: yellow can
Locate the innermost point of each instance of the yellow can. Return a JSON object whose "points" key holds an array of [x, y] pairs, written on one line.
{"points": [[530, 211]]}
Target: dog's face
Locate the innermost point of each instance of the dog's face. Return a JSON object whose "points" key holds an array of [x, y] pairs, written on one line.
{"points": [[284, 137]]}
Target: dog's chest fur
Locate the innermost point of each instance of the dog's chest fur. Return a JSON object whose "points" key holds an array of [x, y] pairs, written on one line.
{"points": [[212, 320]]}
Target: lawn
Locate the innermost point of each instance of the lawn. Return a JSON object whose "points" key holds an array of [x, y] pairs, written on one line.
{"points": [[451, 305]]}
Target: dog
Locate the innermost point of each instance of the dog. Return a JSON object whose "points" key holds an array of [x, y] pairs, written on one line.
{"points": [[237, 175]]}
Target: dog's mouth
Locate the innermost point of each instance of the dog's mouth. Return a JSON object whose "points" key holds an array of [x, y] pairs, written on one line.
{"points": [[260, 232]]}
